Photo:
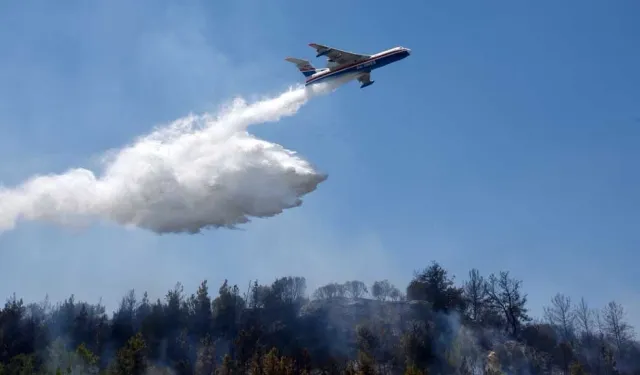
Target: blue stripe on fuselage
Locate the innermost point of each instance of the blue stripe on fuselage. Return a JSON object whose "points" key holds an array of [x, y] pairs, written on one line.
{"points": [[363, 66]]}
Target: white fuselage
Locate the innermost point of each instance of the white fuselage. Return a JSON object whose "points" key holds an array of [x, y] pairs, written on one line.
{"points": [[360, 67]]}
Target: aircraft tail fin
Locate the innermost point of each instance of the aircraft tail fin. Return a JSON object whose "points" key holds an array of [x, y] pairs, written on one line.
{"points": [[304, 66]]}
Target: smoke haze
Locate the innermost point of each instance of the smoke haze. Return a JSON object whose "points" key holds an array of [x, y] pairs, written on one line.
{"points": [[198, 172]]}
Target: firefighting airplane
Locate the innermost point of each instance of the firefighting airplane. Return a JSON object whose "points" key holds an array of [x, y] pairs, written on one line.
{"points": [[341, 63]]}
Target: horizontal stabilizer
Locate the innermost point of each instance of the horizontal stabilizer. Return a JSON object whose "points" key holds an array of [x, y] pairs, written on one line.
{"points": [[304, 66], [297, 61]]}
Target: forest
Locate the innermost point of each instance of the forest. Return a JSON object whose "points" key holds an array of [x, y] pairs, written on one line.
{"points": [[433, 326]]}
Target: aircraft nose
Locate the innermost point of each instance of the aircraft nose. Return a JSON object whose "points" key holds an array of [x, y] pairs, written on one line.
{"points": [[408, 51]]}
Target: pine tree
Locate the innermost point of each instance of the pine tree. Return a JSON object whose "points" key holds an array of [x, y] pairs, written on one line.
{"points": [[131, 359]]}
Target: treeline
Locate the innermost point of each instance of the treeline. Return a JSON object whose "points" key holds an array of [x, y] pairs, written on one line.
{"points": [[432, 327]]}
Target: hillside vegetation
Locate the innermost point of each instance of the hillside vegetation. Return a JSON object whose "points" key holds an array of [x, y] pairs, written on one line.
{"points": [[433, 326]]}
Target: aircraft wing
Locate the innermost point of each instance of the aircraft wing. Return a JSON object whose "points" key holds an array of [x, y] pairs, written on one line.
{"points": [[337, 55]]}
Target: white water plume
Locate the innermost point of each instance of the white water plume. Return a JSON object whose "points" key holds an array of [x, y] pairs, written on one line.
{"points": [[198, 172]]}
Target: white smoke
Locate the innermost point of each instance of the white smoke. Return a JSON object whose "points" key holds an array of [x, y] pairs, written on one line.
{"points": [[198, 172]]}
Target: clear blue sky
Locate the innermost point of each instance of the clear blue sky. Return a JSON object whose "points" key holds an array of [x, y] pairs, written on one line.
{"points": [[507, 141]]}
